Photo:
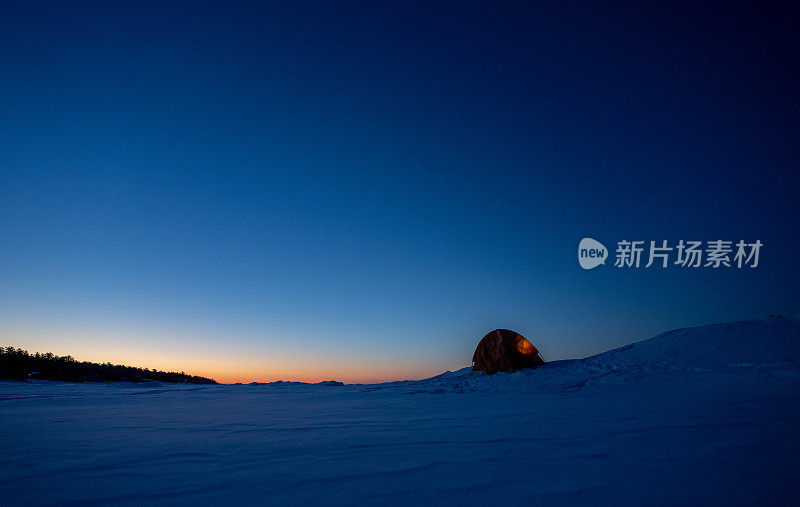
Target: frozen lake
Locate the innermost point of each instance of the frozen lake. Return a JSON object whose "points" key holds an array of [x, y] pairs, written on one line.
{"points": [[705, 415]]}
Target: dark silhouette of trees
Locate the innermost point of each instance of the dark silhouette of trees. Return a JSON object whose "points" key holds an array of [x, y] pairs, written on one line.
{"points": [[18, 364]]}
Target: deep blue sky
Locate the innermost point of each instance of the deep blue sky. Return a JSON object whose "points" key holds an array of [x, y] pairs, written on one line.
{"points": [[362, 190]]}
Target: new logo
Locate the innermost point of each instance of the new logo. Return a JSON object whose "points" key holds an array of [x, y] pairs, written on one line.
{"points": [[591, 253]]}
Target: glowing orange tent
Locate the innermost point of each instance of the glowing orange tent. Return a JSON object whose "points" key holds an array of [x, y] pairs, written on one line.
{"points": [[505, 350]]}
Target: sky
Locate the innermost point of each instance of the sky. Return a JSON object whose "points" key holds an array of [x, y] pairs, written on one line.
{"points": [[257, 191]]}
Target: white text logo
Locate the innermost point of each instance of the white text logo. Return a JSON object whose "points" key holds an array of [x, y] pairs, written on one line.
{"points": [[591, 253]]}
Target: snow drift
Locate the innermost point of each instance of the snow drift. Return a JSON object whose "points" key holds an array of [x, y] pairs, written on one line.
{"points": [[767, 342]]}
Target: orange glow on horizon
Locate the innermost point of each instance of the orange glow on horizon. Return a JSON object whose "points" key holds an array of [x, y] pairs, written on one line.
{"points": [[348, 378], [231, 370], [222, 363]]}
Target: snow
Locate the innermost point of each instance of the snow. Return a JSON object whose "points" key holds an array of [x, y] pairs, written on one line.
{"points": [[705, 415]]}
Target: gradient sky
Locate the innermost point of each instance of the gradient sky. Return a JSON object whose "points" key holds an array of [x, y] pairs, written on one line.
{"points": [[360, 191]]}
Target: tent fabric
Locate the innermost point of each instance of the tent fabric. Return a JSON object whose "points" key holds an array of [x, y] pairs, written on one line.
{"points": [[505, 350]]}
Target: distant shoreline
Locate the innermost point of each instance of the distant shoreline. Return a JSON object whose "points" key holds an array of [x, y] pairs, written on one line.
{"points": [[19, 364]]}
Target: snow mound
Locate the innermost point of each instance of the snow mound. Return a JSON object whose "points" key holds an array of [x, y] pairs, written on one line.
{"points": [[758, 343]]}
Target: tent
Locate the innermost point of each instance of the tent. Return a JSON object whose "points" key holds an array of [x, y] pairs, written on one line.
{"points": [[505, 350]]}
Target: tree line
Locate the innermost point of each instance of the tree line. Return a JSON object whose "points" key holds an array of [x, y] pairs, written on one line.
{"points": [[18, 364]]}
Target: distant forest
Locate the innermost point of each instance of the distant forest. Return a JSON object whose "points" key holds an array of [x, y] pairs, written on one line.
{"points": [[18, 364]]}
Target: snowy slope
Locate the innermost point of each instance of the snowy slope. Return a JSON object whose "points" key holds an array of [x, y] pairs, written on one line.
{"points": [[705, 415], [766, 342]]}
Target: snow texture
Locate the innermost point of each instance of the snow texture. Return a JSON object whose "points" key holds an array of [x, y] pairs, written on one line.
{"points": [[705, 415]]}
